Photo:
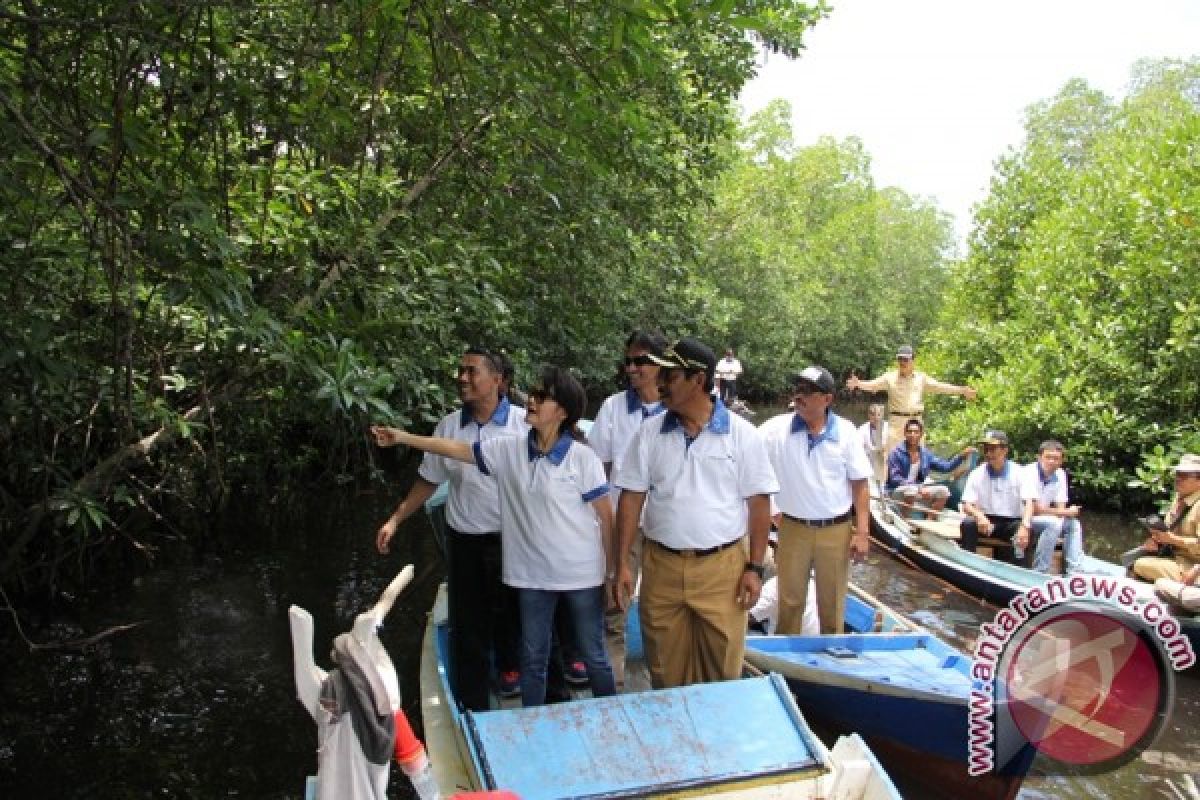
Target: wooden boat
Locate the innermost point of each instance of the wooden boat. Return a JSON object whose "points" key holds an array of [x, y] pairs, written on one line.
{"points": [[733, 739], [906, 692], [932, 545]]}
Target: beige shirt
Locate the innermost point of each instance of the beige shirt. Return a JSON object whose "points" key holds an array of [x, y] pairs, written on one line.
{"points": [[1189, 526], [906, 395]]}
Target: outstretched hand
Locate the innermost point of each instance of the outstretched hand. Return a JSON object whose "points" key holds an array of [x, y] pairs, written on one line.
{"points": [[386, 436], [852, 382]]}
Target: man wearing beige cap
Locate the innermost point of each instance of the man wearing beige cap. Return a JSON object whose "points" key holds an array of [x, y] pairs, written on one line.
{"points": [[1182, 529], [906, 389]]}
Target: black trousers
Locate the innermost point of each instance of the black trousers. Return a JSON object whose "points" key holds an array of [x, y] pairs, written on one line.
{"points": [[1005, 528], [485, 620]]}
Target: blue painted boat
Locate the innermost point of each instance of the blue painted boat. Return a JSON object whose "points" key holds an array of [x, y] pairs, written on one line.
{"points": [[733, 739]]}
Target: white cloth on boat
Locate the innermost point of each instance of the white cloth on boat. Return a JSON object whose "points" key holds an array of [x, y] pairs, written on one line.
{"points": [[473, 505], [997, 494], [355, 728], [766, 610], [550, 533]]}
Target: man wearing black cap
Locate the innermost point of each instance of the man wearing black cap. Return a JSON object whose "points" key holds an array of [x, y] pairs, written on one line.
{"points": [[698, 479], [992, 502], [906, 389], [822, 469]]}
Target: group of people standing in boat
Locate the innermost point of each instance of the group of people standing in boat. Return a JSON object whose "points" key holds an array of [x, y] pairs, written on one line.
{"points": [[670, 484]]}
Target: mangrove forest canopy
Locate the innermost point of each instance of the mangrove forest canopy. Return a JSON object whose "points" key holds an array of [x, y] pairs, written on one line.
{"points": [[233, 234]]}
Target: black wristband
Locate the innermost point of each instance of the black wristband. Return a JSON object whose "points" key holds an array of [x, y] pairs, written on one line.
{"points": [[757, 569]]}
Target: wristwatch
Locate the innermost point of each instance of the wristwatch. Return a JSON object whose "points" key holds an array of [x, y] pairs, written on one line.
{"points": [[757, 569]]}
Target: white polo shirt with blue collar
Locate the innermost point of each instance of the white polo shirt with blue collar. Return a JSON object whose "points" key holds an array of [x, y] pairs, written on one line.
{"points": [[618, 419], [996, 493], [696, 489], [551, 536], [1049, 490], [474, 502], [815, 470]]}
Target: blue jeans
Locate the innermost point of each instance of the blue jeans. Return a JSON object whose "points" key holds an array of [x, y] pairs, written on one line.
{"points": [[586, 610], [1048, 529]]}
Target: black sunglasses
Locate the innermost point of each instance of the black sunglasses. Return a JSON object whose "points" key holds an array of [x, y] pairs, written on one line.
{"points": [[638, 361]]}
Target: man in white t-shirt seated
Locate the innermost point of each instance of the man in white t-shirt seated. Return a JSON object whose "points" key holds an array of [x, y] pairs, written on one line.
{"points": [[1046, 514], [991, 500]]}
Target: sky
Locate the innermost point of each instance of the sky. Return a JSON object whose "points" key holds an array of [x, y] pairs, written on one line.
{"points": [[937, 89]]}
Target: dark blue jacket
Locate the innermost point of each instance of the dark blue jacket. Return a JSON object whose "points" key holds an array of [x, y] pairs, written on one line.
{"points": [[898, 464]]}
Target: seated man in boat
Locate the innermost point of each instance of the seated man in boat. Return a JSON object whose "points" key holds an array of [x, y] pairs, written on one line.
{"points": [[991, 500], [1047, 514], [908, 468], [1182, 529], [906, 389]]}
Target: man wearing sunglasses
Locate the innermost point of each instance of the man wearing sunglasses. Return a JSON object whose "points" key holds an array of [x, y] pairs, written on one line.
{"points": [[906, 389], [823, 499], [616, 422], [483, 611], [698, 479]]}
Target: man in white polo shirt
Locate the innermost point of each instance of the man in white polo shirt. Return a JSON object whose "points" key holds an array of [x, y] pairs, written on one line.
{"points": [[991, 500], [702, 477], [823, 499], [483, 616], [616, 422]]}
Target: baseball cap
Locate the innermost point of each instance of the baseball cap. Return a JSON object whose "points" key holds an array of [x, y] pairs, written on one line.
{"points": [[817, 376]]}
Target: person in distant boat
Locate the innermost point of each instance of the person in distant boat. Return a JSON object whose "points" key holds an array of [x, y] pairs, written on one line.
{"points": [[483, 612], [823, 500], [619, 418], [1047, 514], [1180, 530], [908, 467], [698, 479], [991, 500], [906, 389], [874, 435], [729, 369], [557, 525], [1184, 593]]}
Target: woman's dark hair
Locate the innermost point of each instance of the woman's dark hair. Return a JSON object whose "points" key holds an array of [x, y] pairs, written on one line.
{"points": [[652, 341], [566, 390]]}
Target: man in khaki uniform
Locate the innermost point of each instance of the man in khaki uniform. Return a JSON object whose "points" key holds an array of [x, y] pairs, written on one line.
{"points": [[1182, 532], [906, 389]]}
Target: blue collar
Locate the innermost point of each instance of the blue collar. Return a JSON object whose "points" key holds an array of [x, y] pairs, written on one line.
{"points": [[499, 416], [830, 433], [1053, 475], [993, 474], [556, 454], [634, 404], [717, 423]]}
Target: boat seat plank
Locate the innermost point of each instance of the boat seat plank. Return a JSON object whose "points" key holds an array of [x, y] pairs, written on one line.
{"points": [[947, 529], [630, 745]]}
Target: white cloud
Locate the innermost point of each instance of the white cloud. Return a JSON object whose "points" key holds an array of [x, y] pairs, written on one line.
{"points": [[937, 89]]}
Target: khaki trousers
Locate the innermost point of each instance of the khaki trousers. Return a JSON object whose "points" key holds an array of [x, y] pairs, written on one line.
{"points": [[693, 629], [1151, 568], [826, 553]]}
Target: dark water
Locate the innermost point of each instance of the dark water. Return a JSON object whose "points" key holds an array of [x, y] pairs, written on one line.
{"points": [[198, 700]]}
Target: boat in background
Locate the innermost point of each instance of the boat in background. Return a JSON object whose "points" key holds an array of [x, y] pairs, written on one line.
{"points": [[932, 545], [737, 739]]}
